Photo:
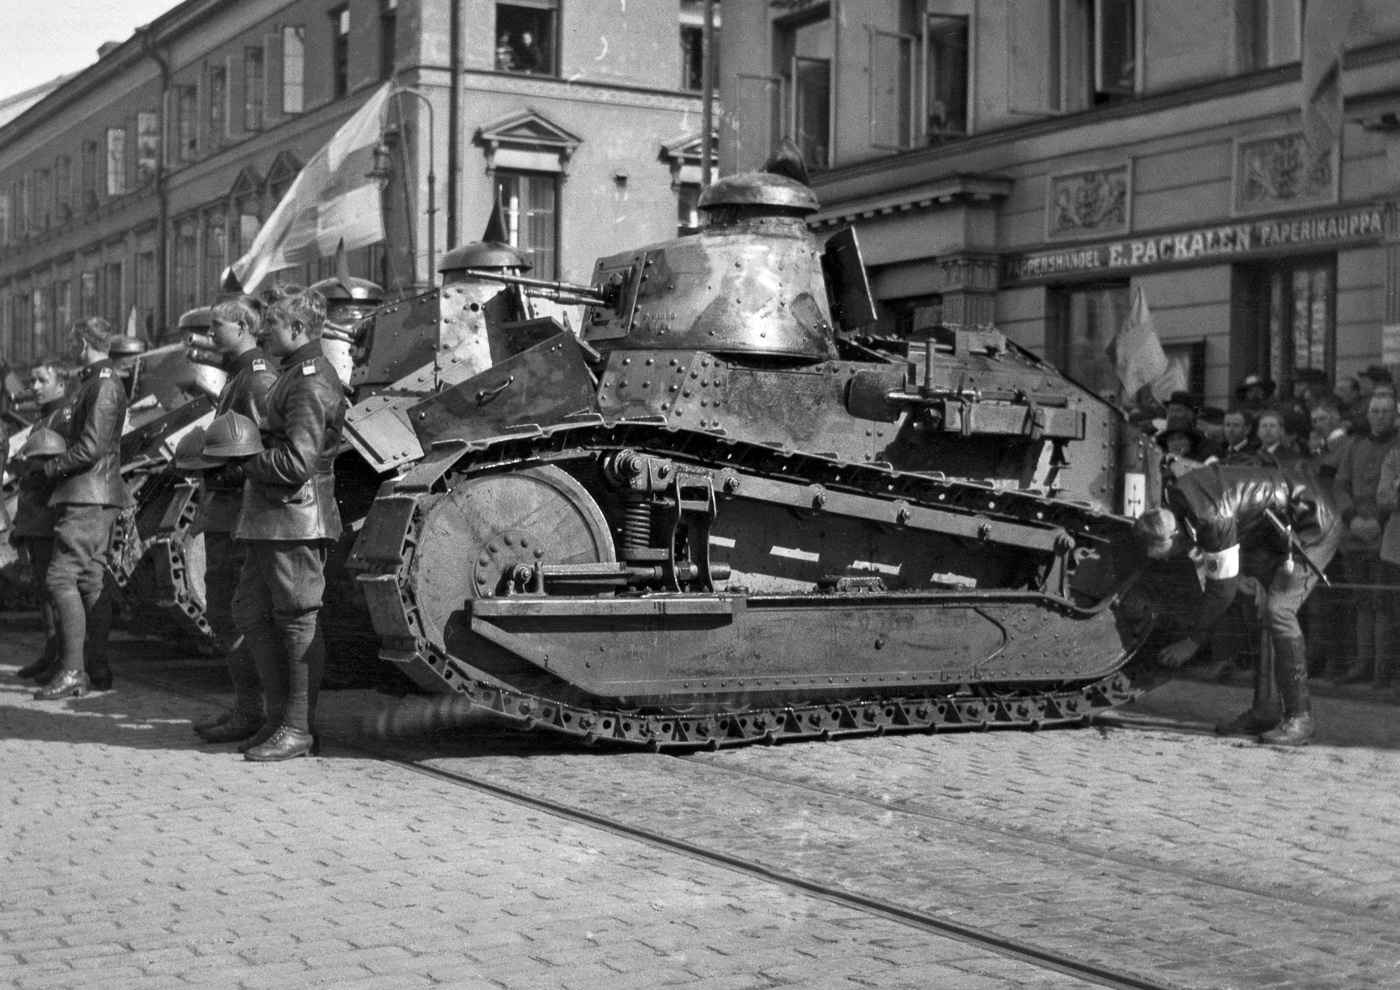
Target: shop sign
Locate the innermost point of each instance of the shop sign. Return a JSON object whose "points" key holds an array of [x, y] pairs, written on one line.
{"points": [[1198, 244]]}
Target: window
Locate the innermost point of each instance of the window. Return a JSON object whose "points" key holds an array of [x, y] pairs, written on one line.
{"points": [[1267, 33], [19, 327], [63, 187], [693, 45], [253, 89], [146, 291], [901, 317], [525, 37], [186, 265], [43, 199], [39, 319], [1090, 58], [87, 293], [530, 203], [147, 147], [26, 205], [388, 37], [186, 127], [89, 176], [4, 219], [1083, 319], [687, 208], [114, 303], [945, 77], [62, 309], [215, 252], [891, 89], [116, 161], [340, 51], [1302, 317], [807, 48], [294, 68], [218, 105]]}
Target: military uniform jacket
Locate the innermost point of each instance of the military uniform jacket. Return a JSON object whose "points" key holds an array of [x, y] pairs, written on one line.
{"points": [[33, 517], [289, 488], [1225, 509], [221, 495], [89, 472]]}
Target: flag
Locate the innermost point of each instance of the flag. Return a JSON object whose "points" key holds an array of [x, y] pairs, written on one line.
{"points": [[1324, 42], [1137, 355], [133, 323], [331, 200]]}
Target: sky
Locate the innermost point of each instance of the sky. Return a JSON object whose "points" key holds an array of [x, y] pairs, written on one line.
{"points": [[42, 39]]}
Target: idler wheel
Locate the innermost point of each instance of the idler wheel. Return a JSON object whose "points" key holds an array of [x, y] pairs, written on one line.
{"points": [[478, 537]]}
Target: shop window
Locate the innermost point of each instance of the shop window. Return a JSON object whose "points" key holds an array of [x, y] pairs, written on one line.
{"points": [[1083, 319], [530, 204], [186, 129], [807, 48], [1266, 33], [1283, 318], [1090, 57], [254, 89], [526, 37], [116, 161], [388, 36], [340, 51], [294, 68]]}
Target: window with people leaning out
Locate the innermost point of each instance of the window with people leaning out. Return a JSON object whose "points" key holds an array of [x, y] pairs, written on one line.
{"points": [[525, 38]]}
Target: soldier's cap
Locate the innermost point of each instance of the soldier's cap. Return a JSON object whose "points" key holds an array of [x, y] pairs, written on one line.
{"points": [[232, 435], [43, 442], [189, 452]]}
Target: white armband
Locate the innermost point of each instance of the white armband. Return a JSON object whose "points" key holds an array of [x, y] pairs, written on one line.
{"points": [[1223, 565]]}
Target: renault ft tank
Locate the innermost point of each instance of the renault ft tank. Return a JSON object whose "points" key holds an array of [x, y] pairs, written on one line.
{"points": [[722, 515]]}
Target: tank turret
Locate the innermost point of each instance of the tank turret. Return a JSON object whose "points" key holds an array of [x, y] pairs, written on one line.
{"points": [[350, 302]]}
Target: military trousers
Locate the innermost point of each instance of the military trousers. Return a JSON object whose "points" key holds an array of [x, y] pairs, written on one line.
{"points": [[1287, 592], [224, 557], [277, 607], [39, 551], [77, 584]]}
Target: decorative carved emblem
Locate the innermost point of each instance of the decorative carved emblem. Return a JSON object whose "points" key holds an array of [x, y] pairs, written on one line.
{"points": [[1279, 171], [1092, 202]]}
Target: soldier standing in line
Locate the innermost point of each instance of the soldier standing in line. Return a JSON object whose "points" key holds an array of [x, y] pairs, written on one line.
{"points": [[89, 494], [34, 520], [235, 325], [289, 519]]}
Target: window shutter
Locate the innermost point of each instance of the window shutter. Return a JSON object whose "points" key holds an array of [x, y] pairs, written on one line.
{"points": [[1029, 62], [130, 153], [891, 89], [236, 92], [272, 74]]}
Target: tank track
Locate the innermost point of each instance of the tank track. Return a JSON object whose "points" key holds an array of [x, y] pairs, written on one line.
{"points": [[965, 707]]}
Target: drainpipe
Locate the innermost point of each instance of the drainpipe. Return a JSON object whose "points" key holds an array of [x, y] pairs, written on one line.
{"points": [[148, 45], [454, 128]]}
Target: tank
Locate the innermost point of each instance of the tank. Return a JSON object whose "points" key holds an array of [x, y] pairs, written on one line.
{"points": [[728, 512]]}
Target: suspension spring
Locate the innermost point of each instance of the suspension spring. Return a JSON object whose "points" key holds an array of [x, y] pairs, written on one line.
{"points": [[636, 521]]}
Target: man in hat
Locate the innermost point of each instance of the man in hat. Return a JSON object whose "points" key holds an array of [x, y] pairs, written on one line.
{"points": [[1181, 411], [1272, 530], [1255, 392], [89, 494]]}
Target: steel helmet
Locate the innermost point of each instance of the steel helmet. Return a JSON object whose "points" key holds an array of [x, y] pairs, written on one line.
{"points": [[43, 442], [232, 435], [189, 452]]}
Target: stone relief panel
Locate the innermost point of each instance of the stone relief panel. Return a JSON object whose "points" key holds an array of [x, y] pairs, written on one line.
{"points": [[1278, 171], [1089, 203]]}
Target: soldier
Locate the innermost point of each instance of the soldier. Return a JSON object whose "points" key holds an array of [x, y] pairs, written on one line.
{"points": [[34, 520], [289, 519], [234, 328], [89, 494], [1269, 518]]}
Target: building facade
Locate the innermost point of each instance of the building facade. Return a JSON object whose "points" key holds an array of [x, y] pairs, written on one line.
{"points": [[127, 191], [1032, 162]]}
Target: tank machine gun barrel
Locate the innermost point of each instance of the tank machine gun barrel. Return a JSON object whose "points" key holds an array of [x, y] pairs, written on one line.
{"points": [[569, 293]]}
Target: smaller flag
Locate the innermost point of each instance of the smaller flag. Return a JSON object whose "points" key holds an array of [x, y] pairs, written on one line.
{"points": [[133, 323], [1137, 355], [1325, 28]]}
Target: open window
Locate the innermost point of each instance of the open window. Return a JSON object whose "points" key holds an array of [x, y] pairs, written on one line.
{"points": [[1070, 55], [806, 52], [527, 37]]}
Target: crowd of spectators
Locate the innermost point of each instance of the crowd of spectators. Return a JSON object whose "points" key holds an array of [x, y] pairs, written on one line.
{"points": [[1345, 434]]}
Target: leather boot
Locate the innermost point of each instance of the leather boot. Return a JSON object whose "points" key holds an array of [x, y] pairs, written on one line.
{"points": [[285, 743], [1263, 713], [244, 724], [68, 684], [99, 630], [1364, 665], [1381, 674], [269, 728], [1291, 666], [203, 725]]}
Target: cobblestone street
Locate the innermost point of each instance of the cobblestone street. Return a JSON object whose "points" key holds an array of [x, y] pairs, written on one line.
{"points": [[133, 856]]}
